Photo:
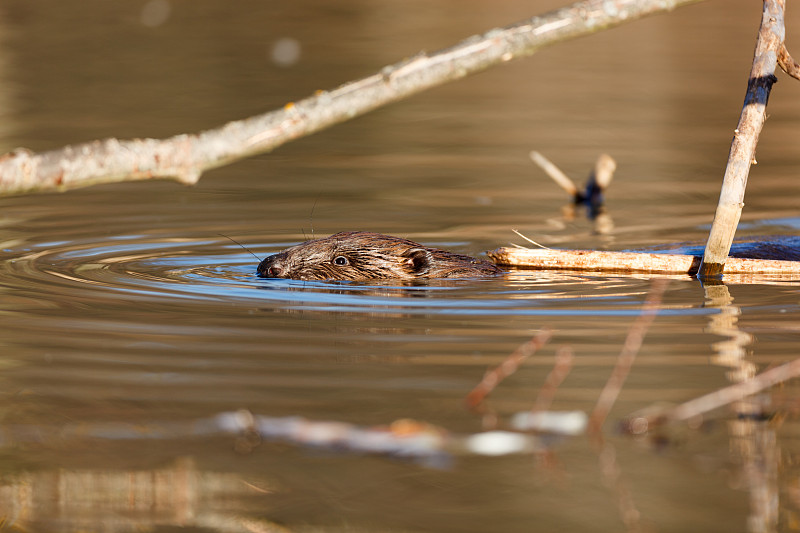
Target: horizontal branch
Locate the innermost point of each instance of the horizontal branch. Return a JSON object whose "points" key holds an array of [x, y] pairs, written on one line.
{"points": [[186, 157], [629, 262]]}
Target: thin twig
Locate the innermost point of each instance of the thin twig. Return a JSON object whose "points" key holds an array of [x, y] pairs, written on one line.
{"points": [[603, 172], [555, 173], [530, 240], [633, 342], [606, 453], [787, 63], [561, 368], [612, 473], [186, 157], [714, 400], [493, 377]]}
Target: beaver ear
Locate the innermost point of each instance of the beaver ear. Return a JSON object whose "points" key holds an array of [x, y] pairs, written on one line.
{"points": [[417, 260]]}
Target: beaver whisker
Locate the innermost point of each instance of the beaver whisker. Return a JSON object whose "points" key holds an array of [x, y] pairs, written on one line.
{"points": [[240, 244]]}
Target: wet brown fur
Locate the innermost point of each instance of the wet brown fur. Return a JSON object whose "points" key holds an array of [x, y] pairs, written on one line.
{"points": [[362, 256]]}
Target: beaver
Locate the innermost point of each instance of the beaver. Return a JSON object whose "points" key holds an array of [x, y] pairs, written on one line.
{"points": [[362, 256]]}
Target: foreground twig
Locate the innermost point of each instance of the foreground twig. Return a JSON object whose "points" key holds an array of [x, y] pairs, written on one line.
{"points": [[633, 342], [719, 398], [186, 157], [612, 475], [562, 366], [493, 377], [745, 139], [606, 453]]}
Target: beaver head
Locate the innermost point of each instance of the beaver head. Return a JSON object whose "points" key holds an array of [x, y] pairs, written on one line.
{"points": [[360, 256]]}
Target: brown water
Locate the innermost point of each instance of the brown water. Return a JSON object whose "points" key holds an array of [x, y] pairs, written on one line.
{"points": [[129, 323]]}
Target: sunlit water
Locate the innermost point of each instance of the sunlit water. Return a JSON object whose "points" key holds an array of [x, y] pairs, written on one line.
{"points": [[133, 331], [161, 335]]}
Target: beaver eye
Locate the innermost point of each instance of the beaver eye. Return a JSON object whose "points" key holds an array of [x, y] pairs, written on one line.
{"points": [[340, 260]]}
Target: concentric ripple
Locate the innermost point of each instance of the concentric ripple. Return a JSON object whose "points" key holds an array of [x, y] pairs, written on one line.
{"points": [[175, 269]]}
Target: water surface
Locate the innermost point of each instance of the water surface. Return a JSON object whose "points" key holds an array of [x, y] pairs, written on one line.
{"points": [[130, 323]]}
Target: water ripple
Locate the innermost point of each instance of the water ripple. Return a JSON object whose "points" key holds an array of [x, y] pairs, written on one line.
{"points": [[169, 269]]}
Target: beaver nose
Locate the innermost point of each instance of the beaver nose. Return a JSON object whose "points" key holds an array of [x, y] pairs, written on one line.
{"points": [[270, 267]]}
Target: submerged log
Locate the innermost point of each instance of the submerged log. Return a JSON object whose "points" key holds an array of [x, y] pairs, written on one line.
{"points": [[631, 262]]}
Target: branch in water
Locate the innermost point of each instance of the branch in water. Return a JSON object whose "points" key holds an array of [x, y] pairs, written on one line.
{"points": [[745, 138], [632, 262]]}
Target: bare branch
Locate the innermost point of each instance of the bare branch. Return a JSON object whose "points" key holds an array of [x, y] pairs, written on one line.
{"points": [[787, 62], [745, 139], [603, 172], [562, 366], [629, 262], [633, 342], [510, 365], [186, 157], [714, 400], [555, 173]]}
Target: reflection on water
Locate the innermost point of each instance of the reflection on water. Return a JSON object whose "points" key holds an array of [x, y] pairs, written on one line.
{"points": [[179, 495], [754, 445], [139, 392], [128, 322]]}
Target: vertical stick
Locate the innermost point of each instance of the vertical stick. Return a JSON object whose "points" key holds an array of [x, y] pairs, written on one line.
{"points": [[743, 147]]}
